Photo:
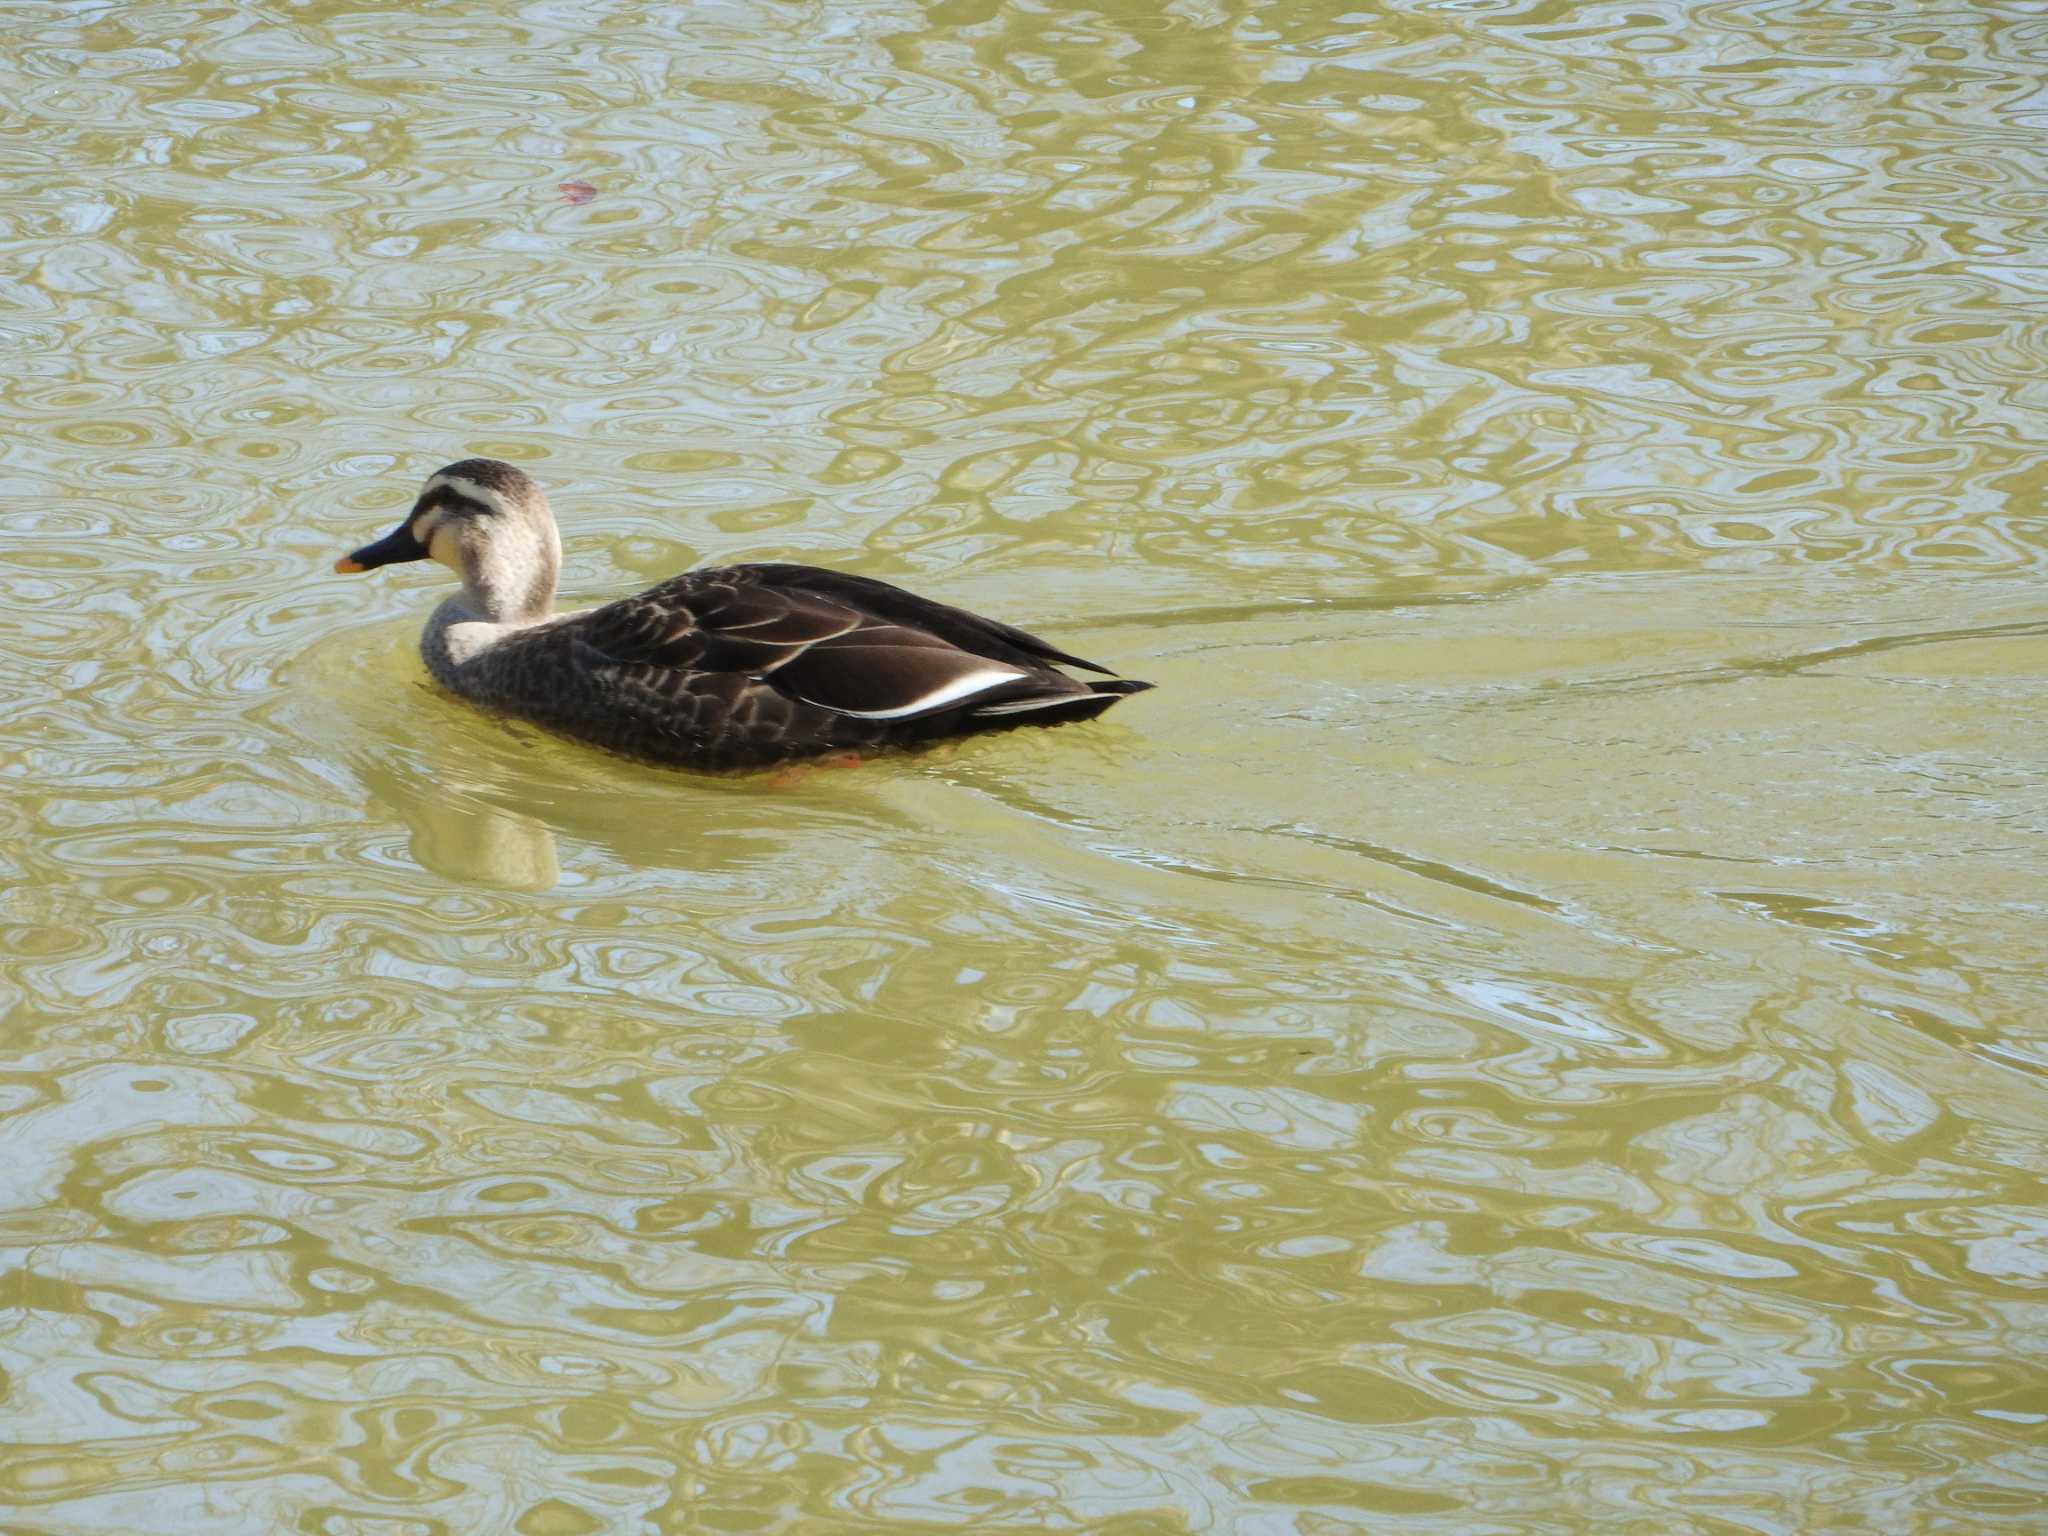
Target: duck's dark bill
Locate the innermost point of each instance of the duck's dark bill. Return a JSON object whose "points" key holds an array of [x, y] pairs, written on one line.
{"points": [[389, 550]]}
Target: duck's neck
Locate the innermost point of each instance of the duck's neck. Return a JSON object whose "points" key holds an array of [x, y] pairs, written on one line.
{"points": [[512, 581], [502, 590], [458, 633]]}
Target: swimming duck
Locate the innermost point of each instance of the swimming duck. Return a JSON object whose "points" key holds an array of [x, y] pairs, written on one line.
{"points": [[736, 666]]}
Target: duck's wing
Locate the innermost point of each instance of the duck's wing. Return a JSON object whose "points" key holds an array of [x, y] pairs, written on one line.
{"points": [[821, 642], [968, 631]]}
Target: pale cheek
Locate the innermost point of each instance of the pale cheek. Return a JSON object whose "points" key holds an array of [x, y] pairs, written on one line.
{"points": [[441, 548]]}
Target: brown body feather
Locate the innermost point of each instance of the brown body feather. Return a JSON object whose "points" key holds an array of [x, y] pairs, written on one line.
{"points": [[751, 664]]}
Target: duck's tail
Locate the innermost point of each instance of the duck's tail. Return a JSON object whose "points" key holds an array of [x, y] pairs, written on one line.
{"points": [[1060, 708]]}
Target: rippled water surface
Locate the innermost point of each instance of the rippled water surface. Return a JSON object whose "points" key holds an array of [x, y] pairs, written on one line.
{"points": [[1538, 1024]]}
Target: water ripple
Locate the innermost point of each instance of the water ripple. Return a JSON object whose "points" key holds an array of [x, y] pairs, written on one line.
{"points": [[1437, 1062]]}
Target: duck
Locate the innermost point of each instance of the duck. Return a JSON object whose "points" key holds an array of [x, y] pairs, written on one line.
{"points": [[729, 667]]}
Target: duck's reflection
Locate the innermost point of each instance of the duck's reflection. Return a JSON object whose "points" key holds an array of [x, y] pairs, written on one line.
{"points": [[499, 827], [463, 837]]}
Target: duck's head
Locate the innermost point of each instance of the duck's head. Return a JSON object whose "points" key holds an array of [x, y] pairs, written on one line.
{"points": [[488, 522]]}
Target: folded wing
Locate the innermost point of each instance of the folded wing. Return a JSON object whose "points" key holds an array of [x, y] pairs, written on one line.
{"points": [[817, 637]]}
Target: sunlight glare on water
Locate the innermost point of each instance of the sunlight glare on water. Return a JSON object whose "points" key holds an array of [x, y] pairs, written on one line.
{"points": [[1536, 1025]]}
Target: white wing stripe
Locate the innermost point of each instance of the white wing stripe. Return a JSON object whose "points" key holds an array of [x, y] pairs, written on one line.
{"points": [[959, 688], [1024, 706]]}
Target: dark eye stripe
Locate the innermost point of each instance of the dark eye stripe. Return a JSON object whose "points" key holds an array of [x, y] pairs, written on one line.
{"points": [[446, 496]]}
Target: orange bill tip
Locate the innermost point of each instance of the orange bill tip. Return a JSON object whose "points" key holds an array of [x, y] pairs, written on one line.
{"points": [[347, 567]]}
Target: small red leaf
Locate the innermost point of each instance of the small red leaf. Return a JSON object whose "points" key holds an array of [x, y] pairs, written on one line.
{"points": [[577, 191]]}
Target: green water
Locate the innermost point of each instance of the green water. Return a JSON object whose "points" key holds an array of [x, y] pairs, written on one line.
{"points": [[1537, 1025]]}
